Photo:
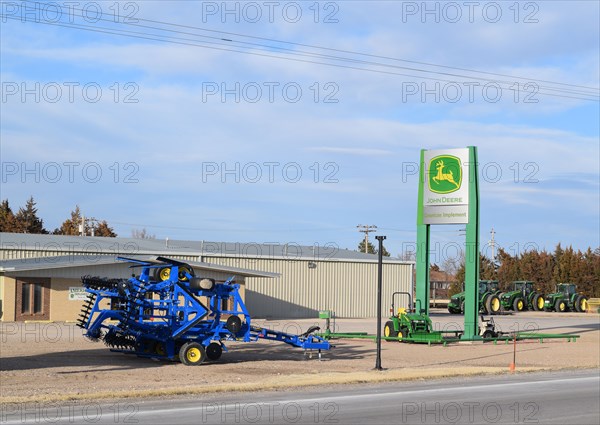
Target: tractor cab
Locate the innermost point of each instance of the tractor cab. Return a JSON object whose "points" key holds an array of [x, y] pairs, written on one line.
{"points": [[567, 289]]}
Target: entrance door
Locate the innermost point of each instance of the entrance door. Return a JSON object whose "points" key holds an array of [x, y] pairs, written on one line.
{"points": [[33, 299]]}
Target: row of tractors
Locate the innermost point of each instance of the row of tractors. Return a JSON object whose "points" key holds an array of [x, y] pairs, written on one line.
{"points": [[522, 297]]}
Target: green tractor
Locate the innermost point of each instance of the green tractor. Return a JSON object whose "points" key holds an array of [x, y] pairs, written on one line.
{"points": [[522, 297], [566, 298], [489, 299], [408, 324]]}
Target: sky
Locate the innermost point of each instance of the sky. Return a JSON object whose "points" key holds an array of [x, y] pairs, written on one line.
{"points": [[294, 122]]}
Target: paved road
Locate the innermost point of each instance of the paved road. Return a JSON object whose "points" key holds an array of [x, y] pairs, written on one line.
{"points": [[543, 398]]}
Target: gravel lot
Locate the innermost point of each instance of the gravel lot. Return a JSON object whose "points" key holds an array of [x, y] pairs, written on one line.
{"points": [[42, 360]]}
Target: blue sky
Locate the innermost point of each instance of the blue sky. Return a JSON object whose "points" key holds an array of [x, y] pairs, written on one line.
{"points": [[195, 162]]}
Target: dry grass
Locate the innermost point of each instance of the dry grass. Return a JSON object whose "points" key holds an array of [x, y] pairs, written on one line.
{"points": [[274, 383]]}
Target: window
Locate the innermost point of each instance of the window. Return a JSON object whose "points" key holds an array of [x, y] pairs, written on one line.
{"points": [[34, 299]]}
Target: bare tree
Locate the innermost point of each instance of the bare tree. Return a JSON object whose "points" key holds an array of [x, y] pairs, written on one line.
{"points": [[142, 234]]}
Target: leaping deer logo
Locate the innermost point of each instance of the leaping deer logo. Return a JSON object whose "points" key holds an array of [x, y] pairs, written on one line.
{"points": [[441, 176]]}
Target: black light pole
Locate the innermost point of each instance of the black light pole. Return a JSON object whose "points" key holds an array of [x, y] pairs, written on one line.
{"points": [[379, 283]]}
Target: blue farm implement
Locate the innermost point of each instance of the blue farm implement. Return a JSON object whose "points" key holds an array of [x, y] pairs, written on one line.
{"points": [[167, 312]]}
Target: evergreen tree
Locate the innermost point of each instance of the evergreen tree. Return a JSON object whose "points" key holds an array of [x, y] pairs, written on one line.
{"points": [[371, 249], [104, 230], [7, 218], [71, 225], [27, 220]]}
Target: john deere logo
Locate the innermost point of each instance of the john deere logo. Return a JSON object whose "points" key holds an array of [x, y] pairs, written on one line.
{"points": [[445, 174]]}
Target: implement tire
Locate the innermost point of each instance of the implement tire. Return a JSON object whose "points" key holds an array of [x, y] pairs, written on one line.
{"points": [[192, 354]]}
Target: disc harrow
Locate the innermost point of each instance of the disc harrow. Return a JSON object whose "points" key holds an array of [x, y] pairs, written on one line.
{"points": [[161, 313]]}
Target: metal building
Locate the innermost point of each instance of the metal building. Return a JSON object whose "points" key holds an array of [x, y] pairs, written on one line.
{"points": [[41, 273]]}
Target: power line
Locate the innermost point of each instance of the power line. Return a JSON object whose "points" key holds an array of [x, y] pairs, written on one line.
{"points": [[192, 42], [333, 50]]}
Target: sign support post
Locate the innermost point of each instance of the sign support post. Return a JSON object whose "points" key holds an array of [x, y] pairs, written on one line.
{"points": [[449, 194]]}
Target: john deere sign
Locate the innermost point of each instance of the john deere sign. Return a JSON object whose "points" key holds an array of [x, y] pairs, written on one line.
{"points": [[449, 194], [445, 195]]}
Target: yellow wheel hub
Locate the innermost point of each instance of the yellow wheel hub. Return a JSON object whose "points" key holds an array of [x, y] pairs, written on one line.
{"points": [[540, 303], [562, 306], [495, 304], [386, 331], [193, 355], [583, 305], [164, 274], [520, 305], [182, 272]]}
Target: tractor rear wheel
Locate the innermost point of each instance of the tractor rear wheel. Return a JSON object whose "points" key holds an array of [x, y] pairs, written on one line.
{"points": [[518, 304], [493, 304], [537, 302], [192, 354], [581, 304], [388, 331], [560, 306], [485, 304], [214, 351]]}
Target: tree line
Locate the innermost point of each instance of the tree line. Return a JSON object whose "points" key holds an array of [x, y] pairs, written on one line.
{"points": [[26, 220], [546, 269]]}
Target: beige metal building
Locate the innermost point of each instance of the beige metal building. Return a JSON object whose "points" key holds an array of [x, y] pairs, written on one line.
{"points": [[40, 274]]}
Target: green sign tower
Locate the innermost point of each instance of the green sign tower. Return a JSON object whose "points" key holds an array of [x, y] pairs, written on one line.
{"points": [[449, 194]]}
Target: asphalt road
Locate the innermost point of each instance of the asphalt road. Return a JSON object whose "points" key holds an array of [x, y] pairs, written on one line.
{"points": [[542, 398]]}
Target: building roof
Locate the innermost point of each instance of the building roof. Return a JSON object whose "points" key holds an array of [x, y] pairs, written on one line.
{"points": [[68, 261], [134, 246]]}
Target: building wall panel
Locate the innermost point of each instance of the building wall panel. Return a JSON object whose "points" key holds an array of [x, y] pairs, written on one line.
{"points": [[347, 288]]}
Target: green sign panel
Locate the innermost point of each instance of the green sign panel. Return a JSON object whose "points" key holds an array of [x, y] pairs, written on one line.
{"points": [[444, 188], [445, 174]]}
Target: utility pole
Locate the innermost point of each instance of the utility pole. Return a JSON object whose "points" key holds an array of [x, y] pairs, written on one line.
{"points": [[366, 230], [493, 244]]}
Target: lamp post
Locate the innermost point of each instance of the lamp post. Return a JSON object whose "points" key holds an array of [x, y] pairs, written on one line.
{"points": [[379, 284]]}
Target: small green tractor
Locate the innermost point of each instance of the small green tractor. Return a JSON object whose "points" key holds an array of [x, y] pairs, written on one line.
{"points": [[522, 297], [409, 325], [489, 299], [566, 298]]}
